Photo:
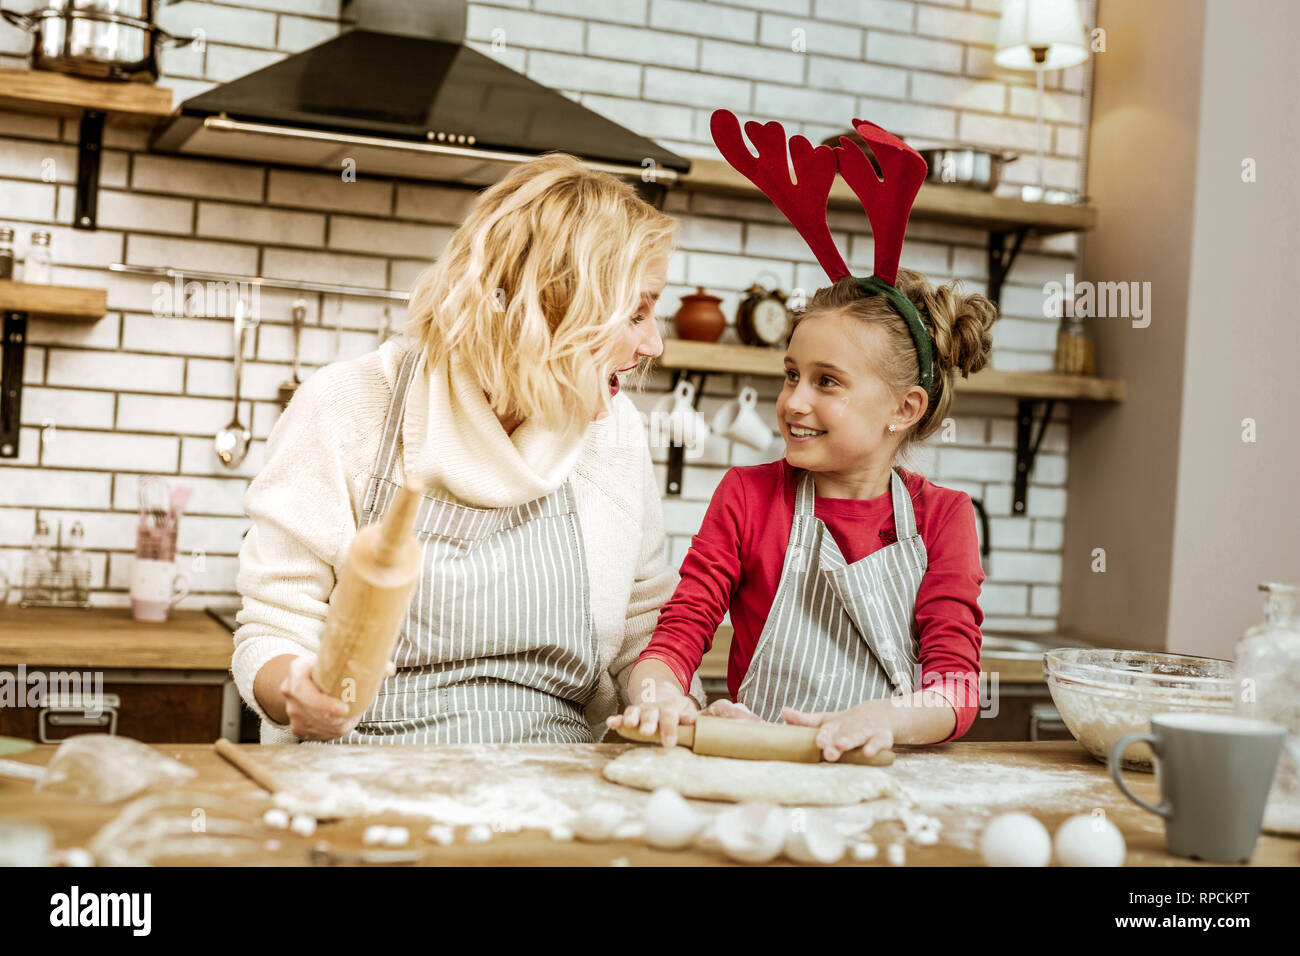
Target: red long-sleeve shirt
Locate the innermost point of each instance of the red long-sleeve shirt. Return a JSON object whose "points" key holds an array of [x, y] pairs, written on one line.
{"points": [[735, 563]]}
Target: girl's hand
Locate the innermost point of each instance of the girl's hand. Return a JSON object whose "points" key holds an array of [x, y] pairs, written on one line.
{"points": [[666, 708], [313, 714], [861, 726], [731, 709]]}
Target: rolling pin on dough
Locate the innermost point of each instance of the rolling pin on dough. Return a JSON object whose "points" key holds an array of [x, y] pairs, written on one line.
{"points": [[751, 740], [370, 602]]}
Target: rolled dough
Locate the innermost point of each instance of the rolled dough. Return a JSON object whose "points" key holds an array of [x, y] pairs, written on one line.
{"points": [[773, 781]]}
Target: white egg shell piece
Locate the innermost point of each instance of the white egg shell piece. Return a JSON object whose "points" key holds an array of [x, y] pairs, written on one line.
{"points": [[1088, 840], [815, 841], [276, 818], [751, 832], [598, 822], [670, 822], [1015, 839]]}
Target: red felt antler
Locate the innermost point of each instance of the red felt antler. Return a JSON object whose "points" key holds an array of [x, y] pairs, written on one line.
{"points": [[803, 201], [887, 201]]}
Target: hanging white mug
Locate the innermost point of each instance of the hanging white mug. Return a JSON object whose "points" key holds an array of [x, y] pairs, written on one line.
{"points": [[674, 419], [739, 421]]}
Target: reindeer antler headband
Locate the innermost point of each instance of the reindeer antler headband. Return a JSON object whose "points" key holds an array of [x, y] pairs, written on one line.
{"points": [[887, 201]]}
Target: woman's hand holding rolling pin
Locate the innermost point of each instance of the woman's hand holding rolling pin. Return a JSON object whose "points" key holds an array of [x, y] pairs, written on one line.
{"points": [[659, 704], [313, 714]]}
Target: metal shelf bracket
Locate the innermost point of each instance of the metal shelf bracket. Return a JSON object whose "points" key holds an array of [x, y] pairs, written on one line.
{"points": [[85, 213], [1027, 449], [11, 381], [1001, 258]]}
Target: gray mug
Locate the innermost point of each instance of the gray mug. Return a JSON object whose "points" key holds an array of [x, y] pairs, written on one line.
{"points": [[1214, 772]]}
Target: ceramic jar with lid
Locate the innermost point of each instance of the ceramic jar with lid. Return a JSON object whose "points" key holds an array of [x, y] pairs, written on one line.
{"points": [[700, 317]]}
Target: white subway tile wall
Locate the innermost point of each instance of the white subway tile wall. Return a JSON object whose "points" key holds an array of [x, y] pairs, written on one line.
{"points": [[143, 390]]}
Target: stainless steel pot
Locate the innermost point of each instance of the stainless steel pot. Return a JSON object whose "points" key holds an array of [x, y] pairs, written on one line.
{"points": [[968, 166], [100, 45], [135, 9]]}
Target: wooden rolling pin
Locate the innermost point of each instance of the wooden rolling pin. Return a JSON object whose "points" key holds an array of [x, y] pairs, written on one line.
{"points": [[752, 740], [369, 604]]}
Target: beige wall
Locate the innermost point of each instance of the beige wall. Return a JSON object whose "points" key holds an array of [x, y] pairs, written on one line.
{"points": [[1191, 518], [1237, 520]]}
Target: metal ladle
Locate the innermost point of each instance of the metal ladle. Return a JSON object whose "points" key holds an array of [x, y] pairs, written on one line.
{"points": [[232, 441]]}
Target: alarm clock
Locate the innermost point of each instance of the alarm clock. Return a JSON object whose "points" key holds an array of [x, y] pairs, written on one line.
{"points": [[762, 318]]}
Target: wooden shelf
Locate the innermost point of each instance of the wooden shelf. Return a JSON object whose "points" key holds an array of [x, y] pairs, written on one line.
{"points": [[72, 303], [683, 355], [58, 94], [935, 203]]}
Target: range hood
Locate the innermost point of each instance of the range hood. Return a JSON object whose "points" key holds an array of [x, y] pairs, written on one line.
{"points": [[400, 94]]}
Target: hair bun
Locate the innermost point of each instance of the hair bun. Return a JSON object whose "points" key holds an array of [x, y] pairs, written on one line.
{"points": [[960, 322]]}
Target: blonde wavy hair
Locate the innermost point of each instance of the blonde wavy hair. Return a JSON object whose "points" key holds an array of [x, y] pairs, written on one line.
{"points": [[535, 287], [959, 322]]}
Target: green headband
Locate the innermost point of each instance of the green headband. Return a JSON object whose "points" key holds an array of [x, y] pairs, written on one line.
{"points": [[920, 334]]}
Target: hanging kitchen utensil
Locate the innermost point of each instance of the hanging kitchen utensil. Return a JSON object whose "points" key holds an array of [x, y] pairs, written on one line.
{"points": [[288, 388], [232, 441], [338, 330]]}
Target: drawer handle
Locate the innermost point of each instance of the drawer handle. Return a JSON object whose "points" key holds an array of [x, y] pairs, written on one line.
{"points": [[74, 715]]}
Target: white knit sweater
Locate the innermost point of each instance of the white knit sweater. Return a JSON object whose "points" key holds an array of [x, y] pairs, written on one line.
{"points": [[305, 505]]}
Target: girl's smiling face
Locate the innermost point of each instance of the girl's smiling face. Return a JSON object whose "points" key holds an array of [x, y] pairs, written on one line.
{"points": [[834, 410]]}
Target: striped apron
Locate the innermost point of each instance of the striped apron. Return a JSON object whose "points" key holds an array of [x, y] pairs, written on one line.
{"points": [[838, 633], [499, 644]]}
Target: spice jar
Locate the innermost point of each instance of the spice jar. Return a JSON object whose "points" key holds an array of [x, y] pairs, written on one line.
{"points": [[38, 266], [1074, 348]]}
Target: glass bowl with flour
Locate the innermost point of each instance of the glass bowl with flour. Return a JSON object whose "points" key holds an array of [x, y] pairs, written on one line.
{"points": [[1103, 694]]}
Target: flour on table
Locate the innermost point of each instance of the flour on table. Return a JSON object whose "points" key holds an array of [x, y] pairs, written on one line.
{"points": [[774, 781]]}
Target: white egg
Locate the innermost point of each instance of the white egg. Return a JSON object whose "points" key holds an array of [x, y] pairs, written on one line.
{"points": [[441, 834], [598, 822], [896, 854], [276, 818], [816, 841], [374, 834], [751, 832], [1015, 839], [865, 851], [303, 824], [1087, 840], [397, 836], [479, 833], [670, 822]]}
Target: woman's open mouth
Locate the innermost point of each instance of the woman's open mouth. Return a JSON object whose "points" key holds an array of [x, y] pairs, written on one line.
{"points": [[614, 386]]}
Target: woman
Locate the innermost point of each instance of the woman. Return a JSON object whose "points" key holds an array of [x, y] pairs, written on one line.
{"points": [[542, 531]]}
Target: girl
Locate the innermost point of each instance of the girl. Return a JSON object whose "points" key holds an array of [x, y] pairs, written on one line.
{"points": [[541, 529], [853, 585]]}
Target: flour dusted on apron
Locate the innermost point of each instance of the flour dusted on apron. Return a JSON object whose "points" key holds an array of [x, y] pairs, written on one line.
{"points": [[838, 633], [499, 643]]}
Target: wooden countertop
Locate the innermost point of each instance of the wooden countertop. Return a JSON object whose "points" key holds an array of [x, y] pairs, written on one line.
{"points": [[74, 823], [109, 638]]}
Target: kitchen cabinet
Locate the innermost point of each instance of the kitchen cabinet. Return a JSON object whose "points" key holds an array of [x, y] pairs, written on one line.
{"points": [[161, 683]]}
